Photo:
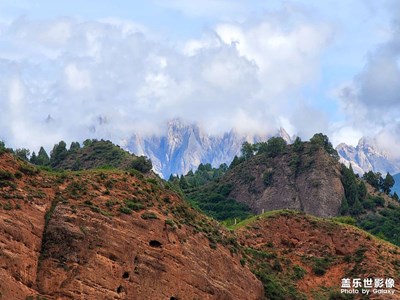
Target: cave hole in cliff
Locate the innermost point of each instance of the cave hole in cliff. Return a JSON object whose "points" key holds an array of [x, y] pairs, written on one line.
{"points": [[173, 298], [120, 289], [155, 244], [125, 275]]}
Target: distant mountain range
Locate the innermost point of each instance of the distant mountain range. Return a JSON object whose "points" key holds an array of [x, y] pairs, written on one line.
{"points": [[185, 146], [367, 156]]}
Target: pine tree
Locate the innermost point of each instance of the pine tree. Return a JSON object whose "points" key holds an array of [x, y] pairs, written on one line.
{"points": [[362, 190], [33, 159], [357, 208], [373, 179], [298, 145], [350, 185], [42, 157], [183, 183], [74, 146], [387, 183], [344, 208], [247, 150], [58, 153], [236, 160]]}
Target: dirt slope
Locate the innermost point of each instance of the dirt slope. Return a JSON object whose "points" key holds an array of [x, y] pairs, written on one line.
{"points": [[315, 254]]}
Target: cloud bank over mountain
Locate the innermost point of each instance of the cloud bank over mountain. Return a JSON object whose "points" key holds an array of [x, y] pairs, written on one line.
{"points": [[253, 67], [71, 79]]}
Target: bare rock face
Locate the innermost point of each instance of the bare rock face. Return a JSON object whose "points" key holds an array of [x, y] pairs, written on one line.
{"points": [[308, 181], [110, 235]]}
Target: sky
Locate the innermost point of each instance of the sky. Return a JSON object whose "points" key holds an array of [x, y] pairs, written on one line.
{"points": [[72, 70]]}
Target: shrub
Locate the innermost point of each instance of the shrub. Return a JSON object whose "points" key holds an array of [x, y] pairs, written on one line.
{"points": [[346, 220], [379, 201], [277, 266], [28, 170], [320, 266], [170, 222], [5, 175], [110, 204], [213, 245], [125, 210], [267, 178], [142, 164], [18, 175], [149, 216], [136, 206], [8, 206], [242, 261], [298, 272]]}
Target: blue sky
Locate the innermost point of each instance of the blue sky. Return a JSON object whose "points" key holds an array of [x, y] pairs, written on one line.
{"points": [[310, 66]]}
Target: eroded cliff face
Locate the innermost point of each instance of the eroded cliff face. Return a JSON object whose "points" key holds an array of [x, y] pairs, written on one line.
{"points": [[110, 235], [308, 181]]}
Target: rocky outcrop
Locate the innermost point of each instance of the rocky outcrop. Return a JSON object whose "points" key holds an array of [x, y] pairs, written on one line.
{"points": [[308, 181]]}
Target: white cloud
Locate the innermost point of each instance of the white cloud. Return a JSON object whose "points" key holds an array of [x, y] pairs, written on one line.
{"points": [[77, 79], [110, 78], [388, 139], [345, 134], [287, 56], [205, 8], [370, 102]]}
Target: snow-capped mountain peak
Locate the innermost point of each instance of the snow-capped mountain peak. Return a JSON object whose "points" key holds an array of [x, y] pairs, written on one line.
{"points": [[367, 156]]}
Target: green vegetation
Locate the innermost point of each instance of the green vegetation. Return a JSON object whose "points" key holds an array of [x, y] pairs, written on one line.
{"points": [[352, 201], [346, 220], [298, 272], [276, 274], [383, 224], [267, 177], [142, 164], [271, 148], [203, 175], [149, 216], [125, 210], [380, 184], [94, 154], [22, 154], [214, 200], [321, 140], [320, 265], [369, 211], [3, 148], [134, 205], [28, 169], [6, 175], [204, 191]]}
